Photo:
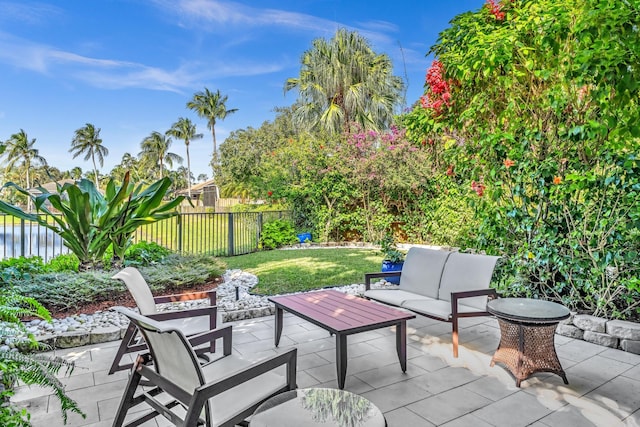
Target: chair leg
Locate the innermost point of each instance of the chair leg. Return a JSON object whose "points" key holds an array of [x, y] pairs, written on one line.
{"points": [[454, 336], [127, 398], [126, 346]]}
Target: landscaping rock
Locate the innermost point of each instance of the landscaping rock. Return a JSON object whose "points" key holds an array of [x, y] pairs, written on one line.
{"points": [[630, 346], [623, 329], [570, 331], [104, 334], [72, 339], [568, 320], [601, 339], [587, 322]]}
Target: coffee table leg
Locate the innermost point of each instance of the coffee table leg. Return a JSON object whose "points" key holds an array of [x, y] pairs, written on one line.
{"points": [[279, 322], [401, 344], [341, 359]]}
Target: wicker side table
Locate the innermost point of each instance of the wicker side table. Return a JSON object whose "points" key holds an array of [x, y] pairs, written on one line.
{"points": [[527, 330]]}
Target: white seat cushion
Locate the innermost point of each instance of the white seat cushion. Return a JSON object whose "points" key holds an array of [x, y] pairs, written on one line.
{"points": [[188, 325], [436, 308], [392, 296], [228, 404]]}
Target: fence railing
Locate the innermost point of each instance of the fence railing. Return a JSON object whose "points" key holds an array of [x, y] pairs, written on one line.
{"points": [[215, 233]]}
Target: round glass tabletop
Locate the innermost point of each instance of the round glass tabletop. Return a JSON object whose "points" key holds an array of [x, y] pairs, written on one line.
{"points": [[527, 310], [317, 407]]}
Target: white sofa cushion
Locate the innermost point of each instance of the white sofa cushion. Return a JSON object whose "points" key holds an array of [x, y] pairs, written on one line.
{"points": [[435, 308], [392, 296], [467, 272], [422, 271]]}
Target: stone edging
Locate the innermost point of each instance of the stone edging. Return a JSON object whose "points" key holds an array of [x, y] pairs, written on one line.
{"points": [[619, 334], [113, 333]]}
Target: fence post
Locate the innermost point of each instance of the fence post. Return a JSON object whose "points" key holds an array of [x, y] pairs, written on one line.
{"points": [[230, 235], [23, 238], [260, 222], [179, 232]]}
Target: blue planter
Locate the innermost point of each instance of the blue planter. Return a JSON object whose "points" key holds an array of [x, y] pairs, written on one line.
{"points": [[302, 237], [392, 266]]}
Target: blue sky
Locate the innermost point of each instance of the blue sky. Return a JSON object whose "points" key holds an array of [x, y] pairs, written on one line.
{"points": [[130, 66]]}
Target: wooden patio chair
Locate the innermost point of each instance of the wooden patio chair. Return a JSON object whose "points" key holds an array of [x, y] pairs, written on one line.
{"points": [[223, 392], [190, 322]]}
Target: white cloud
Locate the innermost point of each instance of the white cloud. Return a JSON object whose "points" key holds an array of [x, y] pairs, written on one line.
{"points": [[115, 74], [225, 14], [30, 14]]}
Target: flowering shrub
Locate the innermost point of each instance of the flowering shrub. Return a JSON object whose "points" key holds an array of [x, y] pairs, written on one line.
{"points": [[545, 131]]}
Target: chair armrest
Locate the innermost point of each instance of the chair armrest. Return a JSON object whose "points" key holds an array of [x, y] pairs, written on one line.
{"points": [[369, 276], [187, 297], [455, 296], [288, 358], [225, 333]]}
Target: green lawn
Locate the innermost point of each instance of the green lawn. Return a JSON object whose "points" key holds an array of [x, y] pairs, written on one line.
{"points": [[285, 271]]}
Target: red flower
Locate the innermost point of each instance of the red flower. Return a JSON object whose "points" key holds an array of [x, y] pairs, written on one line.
{"points": [[557, 180], [450, 171], [495, 8], [508, 163], [269, 193], [478, 187]]}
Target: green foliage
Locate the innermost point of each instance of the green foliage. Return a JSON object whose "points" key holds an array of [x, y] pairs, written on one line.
{"points": [[31, 369], [11, 268], [277, 233], [82, 288], [541, 123], [389, 250], [10, 415], [63, 262], [89, 222], [145, 253]]}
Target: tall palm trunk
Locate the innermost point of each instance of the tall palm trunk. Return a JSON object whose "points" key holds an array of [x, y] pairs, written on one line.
{"points": [[95, 171], [186, 142]]}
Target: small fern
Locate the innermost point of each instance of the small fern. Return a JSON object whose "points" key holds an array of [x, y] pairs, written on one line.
{"points": [[38, 369], [31, 369]]}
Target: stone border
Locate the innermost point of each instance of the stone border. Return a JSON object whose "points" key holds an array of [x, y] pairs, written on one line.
{"points": [[618, 334]]}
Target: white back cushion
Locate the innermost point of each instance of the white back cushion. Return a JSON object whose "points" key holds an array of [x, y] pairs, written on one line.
{"points": [[139, 289], [467, 272], [422, 271]]}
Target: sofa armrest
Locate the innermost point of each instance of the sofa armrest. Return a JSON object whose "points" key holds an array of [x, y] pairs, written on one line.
{"points": [[369, 276], [455, 296]]}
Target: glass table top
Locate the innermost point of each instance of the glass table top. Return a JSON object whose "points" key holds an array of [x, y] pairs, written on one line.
{"points": [[527, 310], [317, 407]]}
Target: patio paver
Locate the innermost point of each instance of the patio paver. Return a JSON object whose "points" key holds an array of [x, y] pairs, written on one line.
{"points": [[437, 390]]}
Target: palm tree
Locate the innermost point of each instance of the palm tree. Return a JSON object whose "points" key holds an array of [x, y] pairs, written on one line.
{"points": [[211, 106], [76, 173], [20, 153], [155, 151], [343, 81], [87, 141], [185, 130]]}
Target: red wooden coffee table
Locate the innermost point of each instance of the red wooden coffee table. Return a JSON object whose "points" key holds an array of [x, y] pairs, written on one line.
{"points": [[343, 315]]}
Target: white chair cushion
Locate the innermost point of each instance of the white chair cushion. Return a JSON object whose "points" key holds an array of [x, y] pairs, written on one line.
{"points": [[232, 402], [189, 325], [467, 272], [422, 271], [392, 296], [436, 308]]}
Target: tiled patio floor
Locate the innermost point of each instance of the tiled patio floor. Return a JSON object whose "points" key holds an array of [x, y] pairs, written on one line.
{"points": [[437, 390]]}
